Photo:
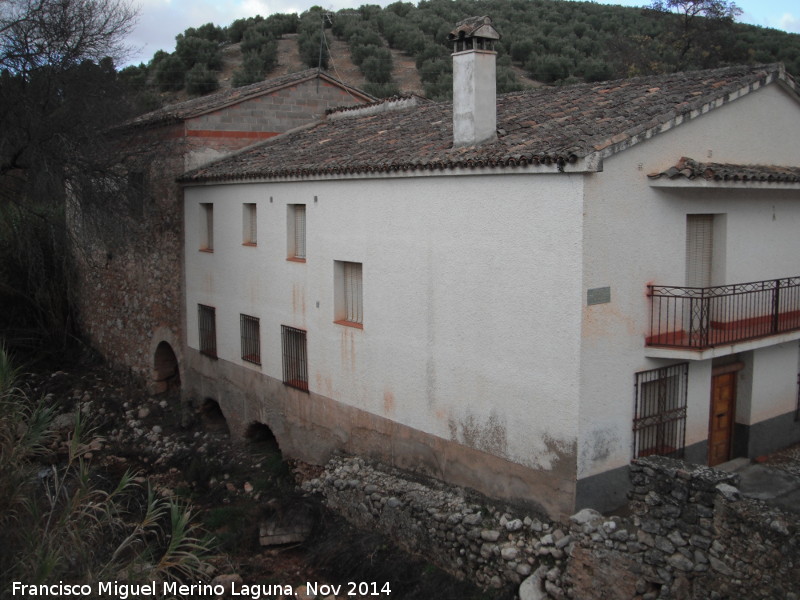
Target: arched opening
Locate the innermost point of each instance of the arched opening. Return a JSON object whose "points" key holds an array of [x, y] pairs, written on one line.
{"points": [[212, 417], [260, 436], [262, 442], [166, 374]]}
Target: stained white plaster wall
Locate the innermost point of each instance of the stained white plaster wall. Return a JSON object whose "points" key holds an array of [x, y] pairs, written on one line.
{"points": [[634, 234], [471, 291], [774, 392]]}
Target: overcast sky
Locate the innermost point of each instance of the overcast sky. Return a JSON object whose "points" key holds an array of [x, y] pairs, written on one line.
{"points": [[161, 20]]}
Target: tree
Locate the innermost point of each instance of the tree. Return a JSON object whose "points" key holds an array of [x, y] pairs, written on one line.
{"points": [[59, 34], [701, 24], [59, 95]]}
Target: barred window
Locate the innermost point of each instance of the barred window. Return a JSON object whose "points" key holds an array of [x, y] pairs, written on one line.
{"points": [[659, 422], [251, 339], [295, 368], [207, 326]]}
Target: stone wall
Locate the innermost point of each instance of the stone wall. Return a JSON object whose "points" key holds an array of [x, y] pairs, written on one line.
{"points": [[129, 258], [690, 535], [281, 110]]}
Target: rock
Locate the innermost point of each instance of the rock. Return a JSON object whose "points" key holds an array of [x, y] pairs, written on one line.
{"points": [[679, 561], [586, 516], [509, 553], [514, 525], [730, 493], [473, 519], [231, 583], [531, 589], [286, 528], [143, 413], [156, 429], [490, 535]]}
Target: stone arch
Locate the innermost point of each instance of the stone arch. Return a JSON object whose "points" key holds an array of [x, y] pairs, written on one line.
{"points": [[166, 366], [261, 433], [166, 373], [212, 417]]}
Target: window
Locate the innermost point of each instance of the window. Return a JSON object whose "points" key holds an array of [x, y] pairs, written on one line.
{"points": [[249, 226], [659, 422], [207, 326], [207, 227], [348, 304], [699, 249], [297, 232], [251, 339], [295, 369]]}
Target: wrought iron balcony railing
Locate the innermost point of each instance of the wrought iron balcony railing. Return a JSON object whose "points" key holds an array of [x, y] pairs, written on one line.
{"points": [[699, 318]]}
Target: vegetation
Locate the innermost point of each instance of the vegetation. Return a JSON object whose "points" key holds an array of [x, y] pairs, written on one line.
{"points": [[66, 522], [552, 41], [58, 99]]}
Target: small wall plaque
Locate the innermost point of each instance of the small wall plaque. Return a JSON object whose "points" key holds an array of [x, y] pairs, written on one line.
{"points": [[598, 296]]}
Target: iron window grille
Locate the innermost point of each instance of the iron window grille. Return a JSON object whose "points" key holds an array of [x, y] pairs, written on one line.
{"points": [[251, 339], [207, 326], [659, 422], [295, 363]]}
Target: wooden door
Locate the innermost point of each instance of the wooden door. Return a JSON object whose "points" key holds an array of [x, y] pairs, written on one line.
{"points": [[720, 430]]}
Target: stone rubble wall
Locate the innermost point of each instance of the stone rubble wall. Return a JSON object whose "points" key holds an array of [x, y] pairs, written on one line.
{"points": [[690, 535]]}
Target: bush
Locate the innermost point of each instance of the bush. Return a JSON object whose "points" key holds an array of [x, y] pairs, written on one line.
{"points": [[255, 67], [194, 50], [201, 80], [63, 525], [170, 74], [378, 68], [381, 90]]}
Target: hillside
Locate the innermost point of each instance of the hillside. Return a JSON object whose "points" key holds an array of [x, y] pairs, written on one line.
{"points": [[403, 47]]}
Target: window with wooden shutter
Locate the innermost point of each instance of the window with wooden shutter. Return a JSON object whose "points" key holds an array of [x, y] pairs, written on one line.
{"points": [[207, 227], [297, 232], [250, 228], [348, 301], [699, 249]]}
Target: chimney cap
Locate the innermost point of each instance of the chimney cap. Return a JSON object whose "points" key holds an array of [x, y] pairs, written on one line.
{"points": [[474, 27]]}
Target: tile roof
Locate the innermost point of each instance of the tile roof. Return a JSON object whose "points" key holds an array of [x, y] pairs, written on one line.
{"points": [[541, 126], [203, 104], [688, 168]]}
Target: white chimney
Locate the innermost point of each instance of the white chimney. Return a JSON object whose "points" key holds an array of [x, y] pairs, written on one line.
{"points": [[474, 81]]}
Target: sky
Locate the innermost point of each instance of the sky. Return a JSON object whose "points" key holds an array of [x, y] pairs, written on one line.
{"points": [[161, 20]]}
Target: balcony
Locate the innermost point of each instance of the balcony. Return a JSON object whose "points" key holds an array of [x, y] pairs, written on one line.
{"points": [[698, 319]]}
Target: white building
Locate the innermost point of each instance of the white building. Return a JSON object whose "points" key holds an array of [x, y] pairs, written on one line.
{"points": [[496, 314]]}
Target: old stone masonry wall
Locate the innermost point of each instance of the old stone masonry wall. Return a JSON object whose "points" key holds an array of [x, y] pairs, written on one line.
{"points": [[690, 535]]}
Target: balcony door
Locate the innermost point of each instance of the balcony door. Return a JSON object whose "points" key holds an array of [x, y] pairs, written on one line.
{"points": [[699, 250]]}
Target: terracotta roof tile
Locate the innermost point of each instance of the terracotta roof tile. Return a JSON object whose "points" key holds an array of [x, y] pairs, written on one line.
{"points": [[687, 168], [604, 118]]}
